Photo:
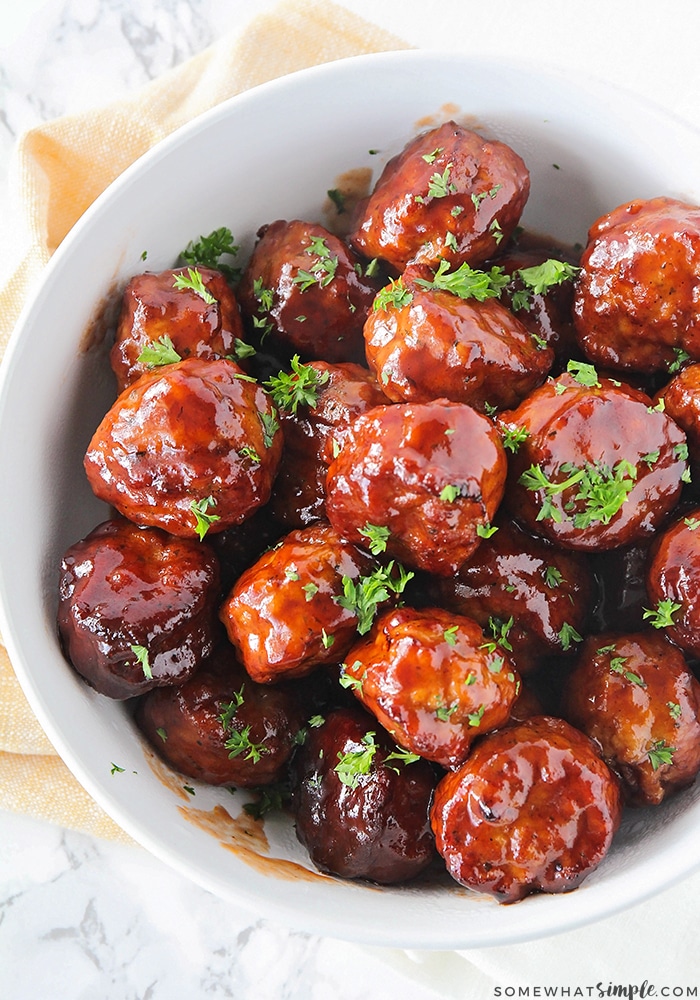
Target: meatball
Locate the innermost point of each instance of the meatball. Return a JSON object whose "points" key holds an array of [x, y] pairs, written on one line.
{"points": [[529, 593], [681, 401], [360, 803], [598, 466], [672, 580], [307, 292], [450, 193], [426, 338], [221, 728], [533, 809], [636, 697], [429, 475], [189, 448], [636, 303], [317, 402], [433, 681], [193, 307], [285, 615], [137, 607]]}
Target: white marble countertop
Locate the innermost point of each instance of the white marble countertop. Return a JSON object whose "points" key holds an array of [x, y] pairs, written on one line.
{"points": [[81, 918]]}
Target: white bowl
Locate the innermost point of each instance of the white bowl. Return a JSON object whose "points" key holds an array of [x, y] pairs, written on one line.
{"points": [[273, 153]]}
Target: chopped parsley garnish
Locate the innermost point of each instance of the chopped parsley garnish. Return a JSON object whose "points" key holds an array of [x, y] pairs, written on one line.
{"points": [[491, 193], [230, 708], [204, 519], [474, 718], [299, 387], [674, 710], [265, 298], [583, 373], [567, 635], [603, 489], [540, 278], [404, 756], [247, 451], [496, 231], [431, 157], [662, 615], [194, 282], [240, 742], [338, 199], [486, 530], [326, 639], [189, 789], [450, 635], [377, 535], [141, 654], [354, 763], [270, 426], [660, 753], [208, 251], [450, 492], [363, 596], [116, 769], [241, 350], [346, 681], [310, 590], [680, 359], [553, 577], [395, 294], [159, 352], [445, 712], [322, 271], [162, 733], [467, 282], [271, 798], [499, 630], [513, 437], [692, 522], [439, 185]]}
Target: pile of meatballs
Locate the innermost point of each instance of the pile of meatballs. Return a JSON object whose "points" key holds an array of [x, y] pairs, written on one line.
{"points": [[403, 534]]}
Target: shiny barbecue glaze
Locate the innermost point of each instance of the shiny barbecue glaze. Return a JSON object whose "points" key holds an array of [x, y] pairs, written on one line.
{"points": [[546, 592], [637, 296], [432, 681], [575, 425], [429, 472], [448, 186], [222, 728], [376, 829], [681, 400], [636, 697], [282, 613], [124, 586], [533, 809], [180, 435], [152, 307], [438, 344], [306, 291], [673, 575]]}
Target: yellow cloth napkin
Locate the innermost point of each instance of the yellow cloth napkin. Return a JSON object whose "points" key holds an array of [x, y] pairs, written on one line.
{"points": [[59, 170]]}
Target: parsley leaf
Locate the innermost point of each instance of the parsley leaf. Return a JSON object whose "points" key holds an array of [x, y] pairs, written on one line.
{"points": [[662, 615], [141, 654], [296, 388], [395, 294], [660, 753], [208, 250], [467, 282], [204, 520], [194, 282], [354, 763], [377, 536], [363, 596], [159, 352]]}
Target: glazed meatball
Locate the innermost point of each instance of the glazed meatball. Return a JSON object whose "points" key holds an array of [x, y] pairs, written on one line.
{"points": [[533, 809], [636, 697], [681, 401], [190, 448], [540, 292], [424, 341], [598, 466], [284, 614], [317, 402], [433, 681], [137, 607], [221, 727], [672, 580], [200, 318], [636, 303], [450, 193], [525, 591], [360, 803], [430, 475], [304, 291]]}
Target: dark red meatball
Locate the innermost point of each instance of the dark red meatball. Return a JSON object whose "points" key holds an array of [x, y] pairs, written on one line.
{"points": [[426, 342], [530, 593], [283, 614], [637, 698], [360, 807], [305, 291], [433, 681], [221, 727], [192, 447], [533, 809], [450, 193], [137, 607], [598, 467], [636, 302], [681, 400], [547, 313], [431, 475], [313, 431], [673, 582], [202, 323]]}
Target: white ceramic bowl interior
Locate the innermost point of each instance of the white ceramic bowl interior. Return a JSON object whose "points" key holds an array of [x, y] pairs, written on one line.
{"points": [[273, 153]]}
